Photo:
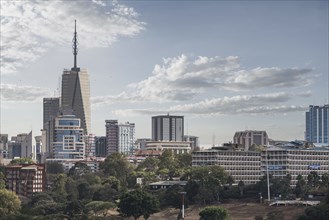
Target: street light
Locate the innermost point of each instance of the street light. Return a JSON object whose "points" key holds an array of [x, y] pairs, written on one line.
{"points": [[268, 179], [183, 194]]}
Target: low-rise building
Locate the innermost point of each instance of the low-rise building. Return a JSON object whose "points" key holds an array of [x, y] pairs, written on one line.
{"points": [[26, 179], [177, 147], [278, 161]]}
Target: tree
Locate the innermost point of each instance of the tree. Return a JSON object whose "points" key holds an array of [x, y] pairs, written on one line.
{"points": [[54, 167], [118, 166], [23, 160], [301, 187], [99, 207], [138, 203], [79, 169], [213, 213], [9, 203], [241, 187]]}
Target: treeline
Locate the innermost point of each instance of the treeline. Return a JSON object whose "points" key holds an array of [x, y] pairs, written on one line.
{"points": [[81, 194]]}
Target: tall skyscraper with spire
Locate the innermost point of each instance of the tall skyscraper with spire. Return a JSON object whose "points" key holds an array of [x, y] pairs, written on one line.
{"points": [[76, 90]]}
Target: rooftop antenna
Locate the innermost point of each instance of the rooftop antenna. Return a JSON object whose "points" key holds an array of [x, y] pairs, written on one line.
{"points": [[75, 46]]}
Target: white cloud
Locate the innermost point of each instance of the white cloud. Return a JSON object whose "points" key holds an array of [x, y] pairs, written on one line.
{"points": [[271, 103], [184, 77], [29, 28], [22, 93]]}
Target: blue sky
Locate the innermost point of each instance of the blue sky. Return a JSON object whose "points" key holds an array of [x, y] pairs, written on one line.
{"points": [[225, 65]]}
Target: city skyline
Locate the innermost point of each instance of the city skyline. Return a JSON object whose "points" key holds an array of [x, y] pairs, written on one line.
{"points": [[224, 66]]}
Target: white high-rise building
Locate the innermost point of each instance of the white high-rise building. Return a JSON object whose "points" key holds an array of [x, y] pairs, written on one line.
{"points": [[126, 142]]}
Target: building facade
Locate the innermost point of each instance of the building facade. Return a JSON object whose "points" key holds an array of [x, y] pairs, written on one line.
{"points": [[112, 136], [26, 179], [51, 108], [249, 137], [176, 147], [167, 128], [100, 146], [317, 124], [76, 90], [249, 166], [68, 140], [90, 145], [22, 145], [126, 135]]}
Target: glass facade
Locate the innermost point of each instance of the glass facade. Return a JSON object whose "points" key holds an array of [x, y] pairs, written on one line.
{"points": [[68, 138], [317, 124]]}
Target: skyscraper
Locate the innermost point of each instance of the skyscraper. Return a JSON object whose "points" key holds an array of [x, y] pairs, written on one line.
{"points": [[76, 91], [167, 128], [317, 123], [51, 107]]}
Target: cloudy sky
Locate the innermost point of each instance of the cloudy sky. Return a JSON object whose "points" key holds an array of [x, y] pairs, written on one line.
{"points": [[225, 65]]}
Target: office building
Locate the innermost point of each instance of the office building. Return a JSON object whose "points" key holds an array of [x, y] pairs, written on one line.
{"points": [[90, 145], [249, 137], [68, 140], [100, 146], [76, 91], [26, 179], [193, 139], [167, 128], [22, 145], [176, 147], [280, 161], [120, 137], [112, 137], [126, 142], [51, 107], [317, 125]]}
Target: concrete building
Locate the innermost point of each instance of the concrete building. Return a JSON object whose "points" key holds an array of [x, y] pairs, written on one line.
{"points": [[167, 128], [177, 147], [76, 91], [250, 137], [241, 165], [126, 135], [26, 179], [68, 140], [112, 136], [22, 145], [317, 125], [193, 139], [141, 143], [249, 166], [90, 145]]}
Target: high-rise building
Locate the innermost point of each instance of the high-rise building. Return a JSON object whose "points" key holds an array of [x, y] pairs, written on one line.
{"points": [[22, 145], [68, 140], [167, 128], [76, 91], [120, 137], [100, 146], [90, 145], [51, 107], [317, 124], [126, 135], [250, 137], [112, 138]]}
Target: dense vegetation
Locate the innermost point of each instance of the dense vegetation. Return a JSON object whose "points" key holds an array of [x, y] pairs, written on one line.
{"points": [[81, 194]]}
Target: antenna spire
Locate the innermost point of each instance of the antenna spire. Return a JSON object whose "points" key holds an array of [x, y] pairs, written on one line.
{"points": [[75, 46]]}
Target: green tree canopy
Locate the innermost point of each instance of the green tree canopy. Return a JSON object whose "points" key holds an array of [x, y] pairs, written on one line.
{"points": [[138, 203], [23, 160], [118, 166], [213, 213], [9, 203], [99, 207]]}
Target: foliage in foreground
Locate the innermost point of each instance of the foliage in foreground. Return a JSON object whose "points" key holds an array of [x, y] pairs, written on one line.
{"points": [[214, 213], [138, 203]]}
